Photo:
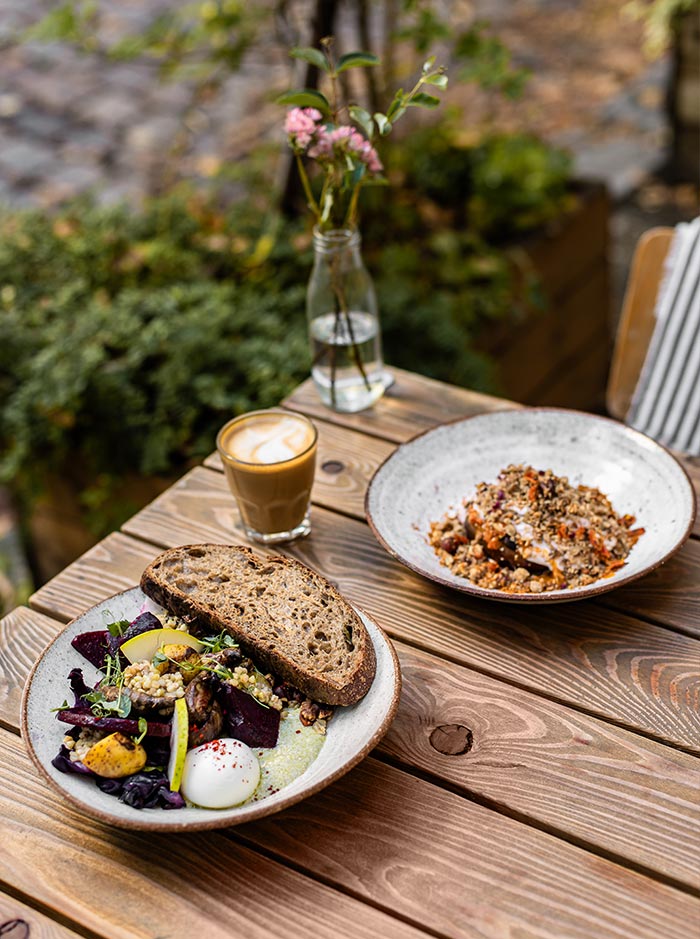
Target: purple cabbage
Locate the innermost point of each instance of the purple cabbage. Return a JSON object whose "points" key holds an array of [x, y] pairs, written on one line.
{"points": [[93, 646], [148, 789], [83, 717], [246, 719], [64, 764]]}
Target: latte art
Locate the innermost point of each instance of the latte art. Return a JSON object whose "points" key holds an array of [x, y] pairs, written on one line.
{"points": [[268, 440]]}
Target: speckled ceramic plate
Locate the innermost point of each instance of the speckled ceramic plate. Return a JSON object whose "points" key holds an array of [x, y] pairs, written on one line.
{"points": [[435, 471], [352, 732]]}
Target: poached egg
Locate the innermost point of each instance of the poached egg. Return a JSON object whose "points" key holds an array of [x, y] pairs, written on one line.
{"points": [[220, 774]]}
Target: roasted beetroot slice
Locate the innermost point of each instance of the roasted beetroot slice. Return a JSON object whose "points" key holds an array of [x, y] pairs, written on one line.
{"points": [[247, 720], [93, 646], [83, 717], [142, 624], [78, 687]]}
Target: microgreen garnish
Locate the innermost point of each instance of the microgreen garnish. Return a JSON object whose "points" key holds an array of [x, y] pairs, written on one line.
{"points": [[118, 628], [143, 727], [219, 643], [61, 707], [114, 677]]}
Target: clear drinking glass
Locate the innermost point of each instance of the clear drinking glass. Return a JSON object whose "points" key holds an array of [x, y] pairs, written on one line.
{"points": [[269, 459], [347, 365]]}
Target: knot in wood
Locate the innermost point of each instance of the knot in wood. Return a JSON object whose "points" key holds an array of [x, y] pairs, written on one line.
{"points": [[18, 927], [451, 739], [333, 467]]}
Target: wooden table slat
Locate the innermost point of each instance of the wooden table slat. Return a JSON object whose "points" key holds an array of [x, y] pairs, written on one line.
{"points": [[619, 792], [413, 404], [23, 635], [125, 885], [634, 673], [426, 855]]}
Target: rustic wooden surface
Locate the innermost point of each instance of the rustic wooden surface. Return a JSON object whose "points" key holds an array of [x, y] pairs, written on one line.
{"points": [[540, 779], [19, 921]]}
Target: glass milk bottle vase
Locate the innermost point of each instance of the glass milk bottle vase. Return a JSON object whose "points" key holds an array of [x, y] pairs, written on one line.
{"points": [[341, 306]]}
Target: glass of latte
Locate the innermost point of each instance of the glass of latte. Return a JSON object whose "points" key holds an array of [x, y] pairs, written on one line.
{"points": [[269, 458]]}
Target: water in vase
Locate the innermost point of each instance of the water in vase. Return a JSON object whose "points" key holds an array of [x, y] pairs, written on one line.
{"points": [[340, 343]]}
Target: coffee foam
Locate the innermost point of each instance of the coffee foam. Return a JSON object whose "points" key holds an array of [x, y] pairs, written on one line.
{"points": [[268, 439]]}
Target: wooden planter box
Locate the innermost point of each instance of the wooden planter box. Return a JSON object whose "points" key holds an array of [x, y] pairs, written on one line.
{"points": [[57, 528], [561, 355]]}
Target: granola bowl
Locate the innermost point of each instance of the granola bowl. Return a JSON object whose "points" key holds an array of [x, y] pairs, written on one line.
{"points": [[421, 498]]}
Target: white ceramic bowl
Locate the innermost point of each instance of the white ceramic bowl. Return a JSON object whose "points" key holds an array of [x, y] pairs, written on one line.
{"points": [[423, 478], [352, 731]]}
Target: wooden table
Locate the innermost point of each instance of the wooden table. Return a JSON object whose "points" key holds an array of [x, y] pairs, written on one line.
{"points": [[570, 810]]}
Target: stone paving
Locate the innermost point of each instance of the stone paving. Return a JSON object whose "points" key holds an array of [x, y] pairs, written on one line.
{"points": [[71, 122]]}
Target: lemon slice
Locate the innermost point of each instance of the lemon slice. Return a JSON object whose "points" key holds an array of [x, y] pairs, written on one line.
{"points": [[145, 645], [178, 744]]}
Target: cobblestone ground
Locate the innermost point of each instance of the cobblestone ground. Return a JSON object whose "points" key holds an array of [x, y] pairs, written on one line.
{"points": [[71, 123]]}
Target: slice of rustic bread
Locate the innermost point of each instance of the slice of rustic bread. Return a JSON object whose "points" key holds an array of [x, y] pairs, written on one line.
{"points": [[285, 616]]}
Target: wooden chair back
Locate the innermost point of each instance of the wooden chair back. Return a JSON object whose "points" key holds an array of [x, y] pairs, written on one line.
{"points": [[637, 319]]}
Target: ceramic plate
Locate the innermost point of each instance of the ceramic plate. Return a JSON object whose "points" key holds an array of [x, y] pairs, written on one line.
{"points": [[422, 479], [352, 732]]}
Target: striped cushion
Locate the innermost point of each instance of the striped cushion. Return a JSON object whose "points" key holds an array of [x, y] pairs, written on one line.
{"points": [[666, 402]]}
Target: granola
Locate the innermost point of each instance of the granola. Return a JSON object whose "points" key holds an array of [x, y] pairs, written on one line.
{"points": [[532, 532]]}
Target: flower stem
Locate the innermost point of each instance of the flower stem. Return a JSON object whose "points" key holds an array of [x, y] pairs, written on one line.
{"points": [[342, 311], [310, 201]]}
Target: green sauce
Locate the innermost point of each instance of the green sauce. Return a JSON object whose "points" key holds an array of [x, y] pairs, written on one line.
{"points": [[297, 748]]}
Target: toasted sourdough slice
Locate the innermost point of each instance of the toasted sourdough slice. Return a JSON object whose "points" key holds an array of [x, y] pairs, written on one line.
{"points": [[283, 615]]}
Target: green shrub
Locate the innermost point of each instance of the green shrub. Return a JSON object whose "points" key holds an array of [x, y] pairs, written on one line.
{"points": [[127, 339], [506, 185]]}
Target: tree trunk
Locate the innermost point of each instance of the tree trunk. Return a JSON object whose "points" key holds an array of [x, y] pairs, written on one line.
{"points": [[322, 25]]}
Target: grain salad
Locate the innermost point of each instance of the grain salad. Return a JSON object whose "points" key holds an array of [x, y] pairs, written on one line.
{"points": [[532, 532]]}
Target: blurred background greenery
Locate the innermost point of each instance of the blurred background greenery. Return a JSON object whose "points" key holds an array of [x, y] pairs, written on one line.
{"points": [[128, 334]]}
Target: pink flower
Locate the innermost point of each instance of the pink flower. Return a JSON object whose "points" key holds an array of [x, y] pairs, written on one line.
{"points": [[323, 147], [341, 133], [300, 125], [374, 164]]}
